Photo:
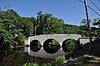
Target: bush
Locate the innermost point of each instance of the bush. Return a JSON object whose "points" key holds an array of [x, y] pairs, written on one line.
{"points": [[57, 62], [31, 64]]}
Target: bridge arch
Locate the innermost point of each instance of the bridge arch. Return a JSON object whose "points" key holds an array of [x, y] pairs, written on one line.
{"points": [[69, 44], [35, 45], [51, 46]]}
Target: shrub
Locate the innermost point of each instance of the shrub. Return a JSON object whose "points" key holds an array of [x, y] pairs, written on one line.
{"points": [[31, 64], [57, 62]]}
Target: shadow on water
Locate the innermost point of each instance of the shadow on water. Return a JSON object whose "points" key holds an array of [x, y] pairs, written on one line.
{"points": [[16, 57]]}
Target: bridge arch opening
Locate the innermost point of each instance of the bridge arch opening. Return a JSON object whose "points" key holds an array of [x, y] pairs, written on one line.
{"points": [[51, 46], [69, 45], [35, 45]]}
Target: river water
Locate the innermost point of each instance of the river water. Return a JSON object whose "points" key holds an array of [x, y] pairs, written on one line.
{"points": [[17, 57]]}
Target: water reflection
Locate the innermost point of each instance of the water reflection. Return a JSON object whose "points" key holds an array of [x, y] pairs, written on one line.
{"points": [[16, 57]]}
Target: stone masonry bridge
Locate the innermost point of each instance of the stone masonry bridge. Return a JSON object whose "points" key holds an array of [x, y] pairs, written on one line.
{"points": [[60, 38]]}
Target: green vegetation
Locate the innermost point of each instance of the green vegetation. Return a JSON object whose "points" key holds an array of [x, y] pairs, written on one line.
{"points": [[69, 47], [51, 46], [35, 45], [57, 62], [14, 29], [31, 64]]}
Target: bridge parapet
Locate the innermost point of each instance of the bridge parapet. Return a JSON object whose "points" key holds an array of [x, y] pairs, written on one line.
{"points": [[84, 40], [58, 37]]}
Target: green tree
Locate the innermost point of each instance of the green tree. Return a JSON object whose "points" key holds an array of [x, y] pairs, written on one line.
{"points": [[96, 22], [96, 31], [70, 45], [10, 33], [83, 31], [71, 29], [26, 25], [49, 24]]}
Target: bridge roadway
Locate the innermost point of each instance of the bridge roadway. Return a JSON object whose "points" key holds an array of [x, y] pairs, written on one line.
{"points": [[58, 37]]}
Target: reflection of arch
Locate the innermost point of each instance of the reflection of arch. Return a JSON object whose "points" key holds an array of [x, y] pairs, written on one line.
{"points": [[51, 46], [69, 44], [35, 45]]}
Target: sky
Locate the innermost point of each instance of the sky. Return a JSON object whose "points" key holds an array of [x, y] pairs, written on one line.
{"points": [[71, 11]]}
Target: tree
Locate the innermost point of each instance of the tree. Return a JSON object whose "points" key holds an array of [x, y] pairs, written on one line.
{"points": [[96, 22], [84, 22], [11, 14], [26, 25], [84, 27], [10, 33], [34, 21], [49, 24], [70, 46], [83, 31], [96, 30]]}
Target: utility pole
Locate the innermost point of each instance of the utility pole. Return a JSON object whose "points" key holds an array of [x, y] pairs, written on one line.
{"points": [[88, 25]]}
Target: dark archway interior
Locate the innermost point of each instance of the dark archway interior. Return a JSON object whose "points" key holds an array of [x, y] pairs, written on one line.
{"points": [[35, 45], [69, 44], [51, 46]]}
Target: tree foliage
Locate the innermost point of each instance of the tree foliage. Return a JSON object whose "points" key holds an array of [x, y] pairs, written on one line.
{"points": [[14, 28]]}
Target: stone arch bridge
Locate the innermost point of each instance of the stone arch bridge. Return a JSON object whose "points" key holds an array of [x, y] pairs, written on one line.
{"points": [[60, 38]]}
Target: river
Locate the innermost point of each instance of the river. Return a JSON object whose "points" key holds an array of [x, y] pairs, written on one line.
{"points": [[17, 57]]}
